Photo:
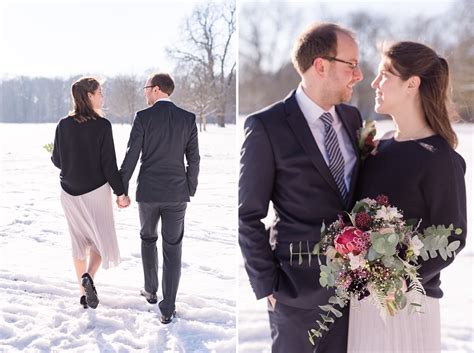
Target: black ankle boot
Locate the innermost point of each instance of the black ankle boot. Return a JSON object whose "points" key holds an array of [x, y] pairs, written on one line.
{"points": [[84, 302], [91, 294]]}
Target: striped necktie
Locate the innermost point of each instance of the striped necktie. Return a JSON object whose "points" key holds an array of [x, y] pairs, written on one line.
{"points": [[336, 160]]}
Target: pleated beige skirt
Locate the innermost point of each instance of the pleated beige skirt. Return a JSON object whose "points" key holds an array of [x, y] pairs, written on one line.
{"points": [[90, 220], [403, 333]]}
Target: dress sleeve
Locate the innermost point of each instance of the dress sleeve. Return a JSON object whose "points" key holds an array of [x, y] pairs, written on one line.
{"points": [[445, 194], [56, 157], [109, 162], [257, 173]]}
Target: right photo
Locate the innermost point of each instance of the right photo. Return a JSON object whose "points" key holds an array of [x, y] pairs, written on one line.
{"points": [[355, 176]]}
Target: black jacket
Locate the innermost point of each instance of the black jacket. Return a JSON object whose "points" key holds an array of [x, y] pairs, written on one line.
{"points": [[163, 134], [281, 162], [425, 179], [85, 154]]}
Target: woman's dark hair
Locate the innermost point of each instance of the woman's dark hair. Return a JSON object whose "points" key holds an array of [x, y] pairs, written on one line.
{"points": [[407, 59], [82, 105]]}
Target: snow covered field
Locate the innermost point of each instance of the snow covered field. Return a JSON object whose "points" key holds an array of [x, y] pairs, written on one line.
{"points": [[457, 305], [39, 300]]}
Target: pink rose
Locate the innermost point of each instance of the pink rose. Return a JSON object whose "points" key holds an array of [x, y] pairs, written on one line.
{"points": [[350, 240]]}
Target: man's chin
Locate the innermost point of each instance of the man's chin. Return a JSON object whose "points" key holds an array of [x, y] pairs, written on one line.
{"points": [[346, 98]]}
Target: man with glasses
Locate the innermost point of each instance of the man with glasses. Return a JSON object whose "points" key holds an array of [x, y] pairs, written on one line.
{"points": [[301, 154], [163, 134]]}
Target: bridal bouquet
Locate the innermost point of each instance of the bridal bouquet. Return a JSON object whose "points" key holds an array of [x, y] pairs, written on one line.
{"points": [[375, 252]]}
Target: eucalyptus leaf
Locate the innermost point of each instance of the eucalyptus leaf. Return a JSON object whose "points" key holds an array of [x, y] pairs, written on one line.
{"points": [[331, 280], [336, 312], [388, 261], [379, 245], [373, 255], [326, 307], [323, 281], [424, 254], [322, 326], [390, 248], [442, 252], [330, 319], [454, 245], [398, 264], [316, 249], [393, 238]]}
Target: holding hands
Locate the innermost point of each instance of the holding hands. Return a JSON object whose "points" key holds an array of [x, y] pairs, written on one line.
{"points": [[123, 201]]}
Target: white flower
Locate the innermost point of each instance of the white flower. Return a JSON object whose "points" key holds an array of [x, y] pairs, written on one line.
{"points": [[370, 202], [415, 245], [357, 261], [388, 230], [331, 252], [388, 213]]}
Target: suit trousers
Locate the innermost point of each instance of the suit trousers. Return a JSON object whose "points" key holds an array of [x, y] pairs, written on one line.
{"points": [[290, 326], [172, 230]]}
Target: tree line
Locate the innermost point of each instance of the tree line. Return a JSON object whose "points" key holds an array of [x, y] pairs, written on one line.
{"points": [[205, 78], [266, 36]]}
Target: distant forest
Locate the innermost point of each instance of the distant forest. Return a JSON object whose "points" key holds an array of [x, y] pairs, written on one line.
{"points": [[205, 78], [266, 36]]}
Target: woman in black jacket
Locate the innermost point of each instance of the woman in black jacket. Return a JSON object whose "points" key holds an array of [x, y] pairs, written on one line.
{"points": [[84, 151], [418, 169]]}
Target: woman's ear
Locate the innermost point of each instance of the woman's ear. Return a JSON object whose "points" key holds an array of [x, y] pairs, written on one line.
{"points": [[414, 82]]}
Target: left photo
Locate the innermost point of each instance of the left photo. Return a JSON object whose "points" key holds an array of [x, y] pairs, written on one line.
{"points": [[118, 216]]}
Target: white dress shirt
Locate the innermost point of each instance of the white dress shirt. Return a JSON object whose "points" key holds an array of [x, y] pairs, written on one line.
{"points": [[312, 113]]}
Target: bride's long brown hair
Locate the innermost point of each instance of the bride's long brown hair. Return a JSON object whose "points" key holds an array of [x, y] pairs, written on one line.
{"points": [[82, 105], [415, 59]]}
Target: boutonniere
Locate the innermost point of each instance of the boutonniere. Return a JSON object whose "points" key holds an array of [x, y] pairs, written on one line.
{"points": [[367, 144]]}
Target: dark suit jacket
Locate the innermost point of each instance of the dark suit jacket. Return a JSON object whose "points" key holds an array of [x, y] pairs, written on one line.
{"points": [[163, 134], [281, 162]]}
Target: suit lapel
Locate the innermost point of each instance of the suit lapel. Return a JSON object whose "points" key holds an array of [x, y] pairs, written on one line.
{"points": [[300, 127], [349, 126]]}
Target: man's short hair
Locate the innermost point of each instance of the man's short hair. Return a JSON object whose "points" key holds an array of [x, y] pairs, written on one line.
{"points": [[318, 40], [164, 82]]}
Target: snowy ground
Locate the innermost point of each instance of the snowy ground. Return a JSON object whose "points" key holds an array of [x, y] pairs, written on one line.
{"points": [[39, 300], [457, 306]]}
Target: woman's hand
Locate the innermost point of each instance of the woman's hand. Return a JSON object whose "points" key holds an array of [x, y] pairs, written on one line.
{"points": [[123, 201]]}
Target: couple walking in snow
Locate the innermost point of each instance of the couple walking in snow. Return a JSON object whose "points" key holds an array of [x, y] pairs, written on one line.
{"points": [[84, 152]]}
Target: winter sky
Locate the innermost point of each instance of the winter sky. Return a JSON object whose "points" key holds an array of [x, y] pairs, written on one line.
{"points": [[64, 38]]}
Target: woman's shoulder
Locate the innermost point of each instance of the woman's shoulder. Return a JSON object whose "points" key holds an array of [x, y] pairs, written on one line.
{"points": [[441, 153], [65, 120], [104, 121], [101, 123]]}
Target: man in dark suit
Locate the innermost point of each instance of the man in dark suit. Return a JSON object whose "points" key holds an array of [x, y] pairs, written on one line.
{"points": [[163, 134], [301, 154]]}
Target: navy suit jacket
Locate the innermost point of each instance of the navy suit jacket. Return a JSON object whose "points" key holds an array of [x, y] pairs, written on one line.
{"points": [[281, 162], [163, 134]]}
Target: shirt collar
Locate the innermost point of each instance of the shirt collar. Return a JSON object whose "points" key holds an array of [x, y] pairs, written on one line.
{"points": [[311, 111]]}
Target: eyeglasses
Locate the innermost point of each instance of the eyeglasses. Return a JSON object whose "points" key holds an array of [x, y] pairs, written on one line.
{"points": [[149, 87], [353, 66]]}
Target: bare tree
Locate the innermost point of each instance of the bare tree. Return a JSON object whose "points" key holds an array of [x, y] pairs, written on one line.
{"points": [[124, 97], [194, 92], [208, 53]]}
